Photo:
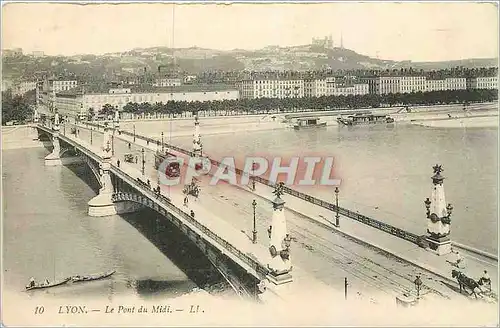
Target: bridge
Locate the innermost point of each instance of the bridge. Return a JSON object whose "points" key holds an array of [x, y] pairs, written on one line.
{"points": [[124, 189]]}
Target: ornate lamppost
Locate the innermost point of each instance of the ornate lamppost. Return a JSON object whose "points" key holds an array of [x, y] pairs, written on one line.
{"points": [[91, 128], [134, 132], [337, 222], [162, 145], [143, 161], [254, 232]]}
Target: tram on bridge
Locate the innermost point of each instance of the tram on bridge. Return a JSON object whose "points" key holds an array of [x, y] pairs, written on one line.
{"points": [[172, 168]]}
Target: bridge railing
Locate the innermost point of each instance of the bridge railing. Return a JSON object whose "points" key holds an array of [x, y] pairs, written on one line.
{"points": [[406, 235], [258, 267]]}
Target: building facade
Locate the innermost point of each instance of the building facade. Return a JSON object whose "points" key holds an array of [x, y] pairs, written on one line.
{"points": [[453, 83], [167, 82], [409, 84], [271, 88], [58, 85], [490, 82], [72, 103], [23, 87]]}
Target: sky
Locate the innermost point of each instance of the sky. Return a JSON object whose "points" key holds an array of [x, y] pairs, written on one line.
{"points": [[396, 31]]}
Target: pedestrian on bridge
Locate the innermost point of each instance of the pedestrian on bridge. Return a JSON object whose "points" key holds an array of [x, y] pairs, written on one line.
{"points": [[192, 214], [186, 201], [485, 280], [118, 162], [129, 146]]}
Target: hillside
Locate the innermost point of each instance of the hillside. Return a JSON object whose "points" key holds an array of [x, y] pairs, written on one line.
{"points": [[194, 60]]}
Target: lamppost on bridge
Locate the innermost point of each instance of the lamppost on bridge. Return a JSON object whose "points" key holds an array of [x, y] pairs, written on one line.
{"points": [[162, 145], [134, 132], [345, 288], [112, 145], [337, 222], [418, 285], [253, 176], [91, 128], [143, 161], [254, 232]]}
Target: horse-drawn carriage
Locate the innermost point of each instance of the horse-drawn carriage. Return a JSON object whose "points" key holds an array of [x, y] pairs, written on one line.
{"points": [[191, 189], [129, 158], [482, 287]]}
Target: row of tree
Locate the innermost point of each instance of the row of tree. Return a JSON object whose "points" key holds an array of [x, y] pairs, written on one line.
{"points": [[319, 103], [17, 108]]}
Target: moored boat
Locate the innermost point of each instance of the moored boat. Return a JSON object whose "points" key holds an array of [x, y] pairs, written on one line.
{"points": [[53, 284], [360, 119], [92, 277], [308, 122]]}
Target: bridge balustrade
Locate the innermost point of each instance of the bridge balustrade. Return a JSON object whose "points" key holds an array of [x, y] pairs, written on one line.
{"points": [[311, 199], [259, 268]]}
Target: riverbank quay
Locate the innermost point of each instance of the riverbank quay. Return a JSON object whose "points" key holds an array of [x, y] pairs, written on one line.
{"points": [[253, 123], [19, 136], [307, 112], [464, 121]]}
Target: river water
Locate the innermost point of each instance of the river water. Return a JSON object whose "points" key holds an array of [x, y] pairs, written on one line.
{"points": [[385, 171], [48, 234]]}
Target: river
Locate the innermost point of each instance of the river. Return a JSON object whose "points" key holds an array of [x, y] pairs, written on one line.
{"points": [[48, 234], [385, 171]]}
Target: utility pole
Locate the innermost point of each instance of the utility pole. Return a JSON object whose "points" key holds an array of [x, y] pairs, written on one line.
{"points": [[254, 232], [143, 161], [345, 288], [337, 223]]}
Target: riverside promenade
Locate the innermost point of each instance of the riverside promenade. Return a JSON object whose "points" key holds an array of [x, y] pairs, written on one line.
{"points": [[428, 263]]}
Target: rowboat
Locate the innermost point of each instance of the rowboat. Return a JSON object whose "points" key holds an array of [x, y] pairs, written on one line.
{"points": [[92, 277], [54, 284]]}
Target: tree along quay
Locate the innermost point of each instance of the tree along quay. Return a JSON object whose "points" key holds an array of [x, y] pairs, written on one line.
{"points": [[247, 106]]}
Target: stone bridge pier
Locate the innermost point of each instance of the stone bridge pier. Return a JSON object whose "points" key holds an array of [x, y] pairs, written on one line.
{"points": [[102, 204], [60, 155]]}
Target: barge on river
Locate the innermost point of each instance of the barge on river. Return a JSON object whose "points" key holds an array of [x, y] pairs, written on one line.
{"points": [[308, 122], [360, 119]]}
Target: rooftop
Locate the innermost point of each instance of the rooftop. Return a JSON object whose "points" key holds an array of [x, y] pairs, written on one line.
{"points": [[104, 89]]}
